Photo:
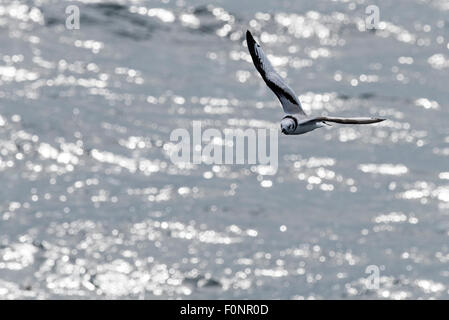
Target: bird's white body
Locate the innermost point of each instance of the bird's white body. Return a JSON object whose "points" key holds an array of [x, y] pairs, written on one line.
{"points": [[296, 122], [307, 126]]}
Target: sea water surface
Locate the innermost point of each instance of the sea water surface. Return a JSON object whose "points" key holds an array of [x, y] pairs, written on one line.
{"points": [[91, 206]]}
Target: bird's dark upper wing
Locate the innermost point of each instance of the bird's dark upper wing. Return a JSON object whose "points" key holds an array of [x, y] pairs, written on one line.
{"points": [[289, 101], [358, 120]]}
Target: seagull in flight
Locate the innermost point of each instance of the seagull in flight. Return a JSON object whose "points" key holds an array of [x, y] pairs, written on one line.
{"points": [[296, 120]]}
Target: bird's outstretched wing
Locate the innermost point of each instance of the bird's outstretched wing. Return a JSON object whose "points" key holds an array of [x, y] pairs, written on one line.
{"points": [[358, 120], [289, 101]]}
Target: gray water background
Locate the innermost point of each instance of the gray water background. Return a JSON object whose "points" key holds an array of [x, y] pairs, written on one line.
{"points": [[92, 207]]}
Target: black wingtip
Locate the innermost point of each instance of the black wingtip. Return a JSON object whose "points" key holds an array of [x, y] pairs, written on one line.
{"points": [[249, 38], [377, 120]]}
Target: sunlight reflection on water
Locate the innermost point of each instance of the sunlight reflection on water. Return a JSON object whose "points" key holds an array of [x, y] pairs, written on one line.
{"points": [[93, 207]]}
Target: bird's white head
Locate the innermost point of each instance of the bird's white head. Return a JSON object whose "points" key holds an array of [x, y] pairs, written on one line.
{"points": [[289, 125]]}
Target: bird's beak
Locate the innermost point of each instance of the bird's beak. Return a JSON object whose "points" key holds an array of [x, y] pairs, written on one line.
{"points": [[284, 131]]}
